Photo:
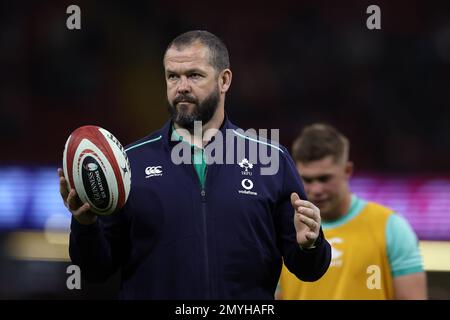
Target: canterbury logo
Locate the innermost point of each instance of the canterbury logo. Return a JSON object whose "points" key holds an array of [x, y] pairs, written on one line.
{"points": [[153, 171]]}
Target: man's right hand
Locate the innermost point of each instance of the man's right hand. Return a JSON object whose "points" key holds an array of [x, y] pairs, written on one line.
{"points": [[81, 212]]}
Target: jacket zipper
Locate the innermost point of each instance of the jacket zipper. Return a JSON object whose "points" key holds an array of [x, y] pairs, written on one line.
{"points": [[205, 234], [205, 244]]}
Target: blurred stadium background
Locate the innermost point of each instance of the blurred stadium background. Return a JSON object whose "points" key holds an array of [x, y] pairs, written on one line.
{"points": [[294, 63]]}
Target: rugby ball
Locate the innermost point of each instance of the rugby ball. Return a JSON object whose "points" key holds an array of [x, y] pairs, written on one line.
{"points": [[96, 165]]}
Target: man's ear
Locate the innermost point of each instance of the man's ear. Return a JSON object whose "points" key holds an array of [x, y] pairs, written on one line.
{"points": [[225, 80], [349, 169]]}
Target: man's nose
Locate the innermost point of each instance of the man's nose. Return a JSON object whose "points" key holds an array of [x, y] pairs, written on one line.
{"points": [[183, 85], [315, 187]]}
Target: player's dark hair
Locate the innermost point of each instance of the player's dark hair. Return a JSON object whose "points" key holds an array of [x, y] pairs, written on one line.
{"points": [[318, 141], [219, 57]]}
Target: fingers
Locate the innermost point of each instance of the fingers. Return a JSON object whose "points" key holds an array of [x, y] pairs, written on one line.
{"points": [[62, 185], [307, 208], [75, 205], [311, 223], [81, 212], [311, 213], [73, 201], [83, 209], [297, 202], [307, 213], [84, 216], [304, 203], [294, 198], [311, 235]]}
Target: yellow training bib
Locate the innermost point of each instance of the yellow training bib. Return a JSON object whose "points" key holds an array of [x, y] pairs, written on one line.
{"points": [[359, 267]]}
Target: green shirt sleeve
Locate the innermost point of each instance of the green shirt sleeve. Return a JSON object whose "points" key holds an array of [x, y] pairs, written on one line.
{"points": [[402, 247]]}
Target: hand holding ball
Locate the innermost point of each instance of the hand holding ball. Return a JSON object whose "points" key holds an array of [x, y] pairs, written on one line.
{"points": [[96, 165]]}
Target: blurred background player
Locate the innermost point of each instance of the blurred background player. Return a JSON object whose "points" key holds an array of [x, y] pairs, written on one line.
{"points": [[375, 253]]}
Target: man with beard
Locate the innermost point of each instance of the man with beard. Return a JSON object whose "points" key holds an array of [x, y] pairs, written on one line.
{"points": [[189, 231]]}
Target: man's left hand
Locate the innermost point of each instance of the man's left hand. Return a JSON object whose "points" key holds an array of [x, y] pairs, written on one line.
{"points": [[306, 221]]}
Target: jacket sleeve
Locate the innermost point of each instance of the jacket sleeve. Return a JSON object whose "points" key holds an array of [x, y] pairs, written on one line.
{"points": [[309, 264], [100, 248]]}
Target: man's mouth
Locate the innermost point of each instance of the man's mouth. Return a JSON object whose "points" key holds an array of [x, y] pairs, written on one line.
{"points": [[319, 203], [184, 102]]}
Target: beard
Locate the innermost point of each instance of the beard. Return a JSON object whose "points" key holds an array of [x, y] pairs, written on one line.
{"points": [[203, 111]]}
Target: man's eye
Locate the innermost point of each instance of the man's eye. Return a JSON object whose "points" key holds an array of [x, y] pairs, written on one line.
{"points": [[171, 76], [195, 75], [324, 178]]}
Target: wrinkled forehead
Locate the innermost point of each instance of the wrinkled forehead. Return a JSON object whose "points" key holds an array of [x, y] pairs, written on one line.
{"points": [[195, 55]]}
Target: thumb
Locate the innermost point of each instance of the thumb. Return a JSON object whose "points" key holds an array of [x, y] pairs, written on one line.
{"points": [[294, 197]]}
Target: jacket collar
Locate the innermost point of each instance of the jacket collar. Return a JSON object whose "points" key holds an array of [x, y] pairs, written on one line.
{"points": [[167, 131]]}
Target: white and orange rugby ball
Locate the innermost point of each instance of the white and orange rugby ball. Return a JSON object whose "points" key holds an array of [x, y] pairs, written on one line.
{"points": [[96, 165]]}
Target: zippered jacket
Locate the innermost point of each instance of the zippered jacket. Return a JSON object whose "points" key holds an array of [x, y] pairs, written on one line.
{"points": [[177, 239]]}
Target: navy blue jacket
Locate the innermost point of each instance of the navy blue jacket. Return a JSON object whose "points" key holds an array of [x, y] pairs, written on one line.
{"points": [[175, 240]]}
